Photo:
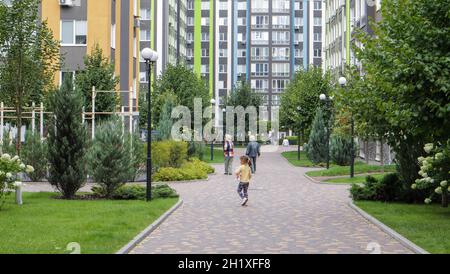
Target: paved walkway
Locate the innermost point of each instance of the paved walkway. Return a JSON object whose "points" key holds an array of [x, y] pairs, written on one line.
{"points": [[286, 214]]}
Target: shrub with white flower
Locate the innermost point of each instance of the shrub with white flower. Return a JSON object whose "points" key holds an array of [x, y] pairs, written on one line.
{"points": [[10, 168], [435, 172]]}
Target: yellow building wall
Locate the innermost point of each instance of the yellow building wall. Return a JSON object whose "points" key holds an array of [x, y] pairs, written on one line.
{"points": [[99, 26], [51, 12]]}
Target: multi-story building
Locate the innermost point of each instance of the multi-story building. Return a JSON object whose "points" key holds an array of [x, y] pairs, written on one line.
{"points": [[113, 25], [163, 28], [342, 19], [261, 42]]}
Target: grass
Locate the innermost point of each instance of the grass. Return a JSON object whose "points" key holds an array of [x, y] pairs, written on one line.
{"points": [[426, 226], [292, 157], [45, 225], [355, 180], [218, 156], [360, 168]]}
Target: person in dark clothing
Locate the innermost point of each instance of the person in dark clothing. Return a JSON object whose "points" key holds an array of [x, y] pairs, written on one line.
{"points": [[253, 152]]}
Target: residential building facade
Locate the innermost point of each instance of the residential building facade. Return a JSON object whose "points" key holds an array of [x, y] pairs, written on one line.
{"points": [[262, 42]]}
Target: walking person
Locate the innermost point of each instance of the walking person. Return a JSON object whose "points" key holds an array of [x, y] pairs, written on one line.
{"points": [[228, 151], [253, 152], [243, 174]]}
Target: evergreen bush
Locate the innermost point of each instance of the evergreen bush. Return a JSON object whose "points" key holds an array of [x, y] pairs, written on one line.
{"points": [[67, 142], [34, 153], [317, 144], [109, 158], [341, 150]]}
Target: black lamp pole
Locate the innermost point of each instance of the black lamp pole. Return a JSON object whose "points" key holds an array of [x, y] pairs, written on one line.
{"points": [[352, 159], [149, 132]]}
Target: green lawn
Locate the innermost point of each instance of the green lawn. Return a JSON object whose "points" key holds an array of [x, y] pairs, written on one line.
{"points": [[46, 225], [355, 180], [426, 226], [218, 156], [292, 157], [360, 168]]}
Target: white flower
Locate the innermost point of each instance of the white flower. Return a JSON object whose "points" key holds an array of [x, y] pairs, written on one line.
{"points": [[414, 186], [29, 169], [421, 159], [22, 166], [15, 158], [2, 173], [444, 183], [428, 148], [439, 155], [428, 201], [9, 175], [18, 184], [6, 156], [438, 190]]}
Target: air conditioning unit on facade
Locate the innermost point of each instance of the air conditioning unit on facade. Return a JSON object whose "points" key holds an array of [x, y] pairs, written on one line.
{"points": [[137, 22], [66, 3]]}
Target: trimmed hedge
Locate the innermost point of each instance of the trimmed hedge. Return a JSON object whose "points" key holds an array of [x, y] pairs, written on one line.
{"points": [[138, 192], [193, 169], [168, 154]]}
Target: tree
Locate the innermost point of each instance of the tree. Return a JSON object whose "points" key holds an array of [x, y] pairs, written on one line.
{"points": [[67, 142], [109, 158], [182, 82], [34, 153], [317, 147], [404, 93], [165, 123], [98, 73], [29, 57], [303, 91], [242, 95]]}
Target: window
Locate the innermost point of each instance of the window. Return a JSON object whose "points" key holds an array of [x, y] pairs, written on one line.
{"points": [[280, 54], [317, 37], [222, 37], [260, 54], [205, 36], [281, 70], [317, 21], [143, 78], [260, 21], [317, 53], [223, 53], [205, 52], [222, 68], [260, 69], [73, 32], [145, 14], [113, 36], [317, 5]]}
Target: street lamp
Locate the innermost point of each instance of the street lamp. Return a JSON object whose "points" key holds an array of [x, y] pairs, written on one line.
{"points": [[343, 84], [150, 56], [327, 100], [299, 133], [213, 102]]}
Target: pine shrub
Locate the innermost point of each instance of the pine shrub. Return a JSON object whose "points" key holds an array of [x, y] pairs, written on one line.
{"points": [[341, 150], [67, 142], [317, 145], [34, 153]]}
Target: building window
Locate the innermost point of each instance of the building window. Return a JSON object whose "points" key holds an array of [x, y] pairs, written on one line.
{"points": [[317, 5], [317, 53], [73, 32]]}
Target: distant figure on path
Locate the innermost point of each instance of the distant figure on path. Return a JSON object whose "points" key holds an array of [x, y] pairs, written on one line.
{"points": [[243, 174], [253, 152], [228, 151]]}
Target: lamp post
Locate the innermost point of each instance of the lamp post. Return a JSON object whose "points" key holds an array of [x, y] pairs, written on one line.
{"points": [[299, 133], [213, 102], [343, 84], [327, 100], [150, 56]]}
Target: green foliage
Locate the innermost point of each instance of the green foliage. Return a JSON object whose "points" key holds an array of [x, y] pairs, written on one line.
{"points": [[136, 149], [193, 169], [30, 57], [341, 150], [34, 153], [184, 84], [168, 154], [165, 123], [303, 91], [196, 149], [67, 142], [9, 173], [98, 73], [9, 146], [435, 173], [388, 189], [109, 158], [243, 95], [139, 192], [317, 148], [404, 94]]}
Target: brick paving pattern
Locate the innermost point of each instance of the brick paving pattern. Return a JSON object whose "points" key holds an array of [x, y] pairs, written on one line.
{"points": [[286, 214]]}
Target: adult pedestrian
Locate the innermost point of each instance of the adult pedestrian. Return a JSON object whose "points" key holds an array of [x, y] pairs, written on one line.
{"points": [[253, 152], [228, 153]]}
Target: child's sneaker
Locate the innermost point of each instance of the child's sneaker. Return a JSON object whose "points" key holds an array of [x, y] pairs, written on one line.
{"points": [[244, 201]]}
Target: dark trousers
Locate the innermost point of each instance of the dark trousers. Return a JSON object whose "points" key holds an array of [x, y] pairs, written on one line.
{"points": [[243, 190], [253, 159]]}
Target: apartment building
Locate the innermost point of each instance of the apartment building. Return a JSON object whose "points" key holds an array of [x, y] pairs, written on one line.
{"points": [[81, 24], [342, 19], [262, 42], [163, 28]]}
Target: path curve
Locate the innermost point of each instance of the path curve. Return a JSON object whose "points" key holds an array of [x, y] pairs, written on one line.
{"points": [[286, 214]]}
